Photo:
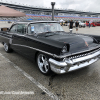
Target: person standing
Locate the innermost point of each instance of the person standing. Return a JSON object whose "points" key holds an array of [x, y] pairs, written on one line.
{"points": [[77, 25], [71, 26], [89, 24]]}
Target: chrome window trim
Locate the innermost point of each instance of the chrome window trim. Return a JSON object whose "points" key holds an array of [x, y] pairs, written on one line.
{"points": [[5, 37], [19, 24], [19, 34], [34, 49]]}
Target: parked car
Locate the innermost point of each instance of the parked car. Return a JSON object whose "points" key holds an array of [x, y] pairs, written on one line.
{"points": [[53, 49], [91, 24], [97, 23], [81, 24]]}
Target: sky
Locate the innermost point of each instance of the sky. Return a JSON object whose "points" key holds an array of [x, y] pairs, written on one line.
{"points": [[80, 5]]}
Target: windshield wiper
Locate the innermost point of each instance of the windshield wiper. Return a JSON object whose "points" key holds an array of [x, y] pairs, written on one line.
{"points": [[58, 31]]}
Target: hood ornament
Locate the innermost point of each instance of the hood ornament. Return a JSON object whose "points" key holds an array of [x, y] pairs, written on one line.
{"points": [[86, 43]]}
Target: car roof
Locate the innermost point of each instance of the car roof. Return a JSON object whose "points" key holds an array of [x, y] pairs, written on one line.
{"points": [[29, 22]]}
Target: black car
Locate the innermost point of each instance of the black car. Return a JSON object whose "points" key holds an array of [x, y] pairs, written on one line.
{"points": [[51, 47]]}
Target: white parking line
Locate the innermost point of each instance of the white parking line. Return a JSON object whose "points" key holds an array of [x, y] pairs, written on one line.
{"points": [[17, 92], [32, 80]]}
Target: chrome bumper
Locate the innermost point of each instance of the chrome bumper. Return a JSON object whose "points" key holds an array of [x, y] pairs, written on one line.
{"points": [[68, 65]]}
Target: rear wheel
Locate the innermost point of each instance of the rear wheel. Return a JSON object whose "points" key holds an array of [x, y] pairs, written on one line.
{"points": [[7, 47], [43, 64]]}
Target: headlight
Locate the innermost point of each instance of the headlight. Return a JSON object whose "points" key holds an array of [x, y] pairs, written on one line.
{"points": [[64, 49]]}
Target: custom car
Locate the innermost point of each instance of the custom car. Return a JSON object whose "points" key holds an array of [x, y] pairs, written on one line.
{"points": [[50, 47]]}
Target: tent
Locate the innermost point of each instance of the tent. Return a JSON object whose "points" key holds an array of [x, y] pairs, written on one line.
{"points": [[8, 12]]}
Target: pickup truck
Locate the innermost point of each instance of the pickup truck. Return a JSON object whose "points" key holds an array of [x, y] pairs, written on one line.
{"points": [[50, 47]]}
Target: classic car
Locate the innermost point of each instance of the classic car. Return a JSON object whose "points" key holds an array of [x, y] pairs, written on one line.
{"points": [[53, 49]]}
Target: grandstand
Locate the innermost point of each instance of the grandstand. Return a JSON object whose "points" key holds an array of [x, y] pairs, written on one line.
{"points": [[36, 13]]}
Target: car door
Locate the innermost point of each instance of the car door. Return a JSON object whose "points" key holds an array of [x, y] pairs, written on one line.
{"points": [[19, 38]]}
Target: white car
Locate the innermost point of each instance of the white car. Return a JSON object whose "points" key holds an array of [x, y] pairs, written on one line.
{"points": [[81, 24]]}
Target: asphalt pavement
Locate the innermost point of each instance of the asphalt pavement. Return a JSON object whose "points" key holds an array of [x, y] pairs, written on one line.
{"points": [[20, 79]]}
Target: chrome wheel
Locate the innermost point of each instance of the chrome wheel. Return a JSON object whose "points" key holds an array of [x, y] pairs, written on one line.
{"points": [[6, 47], [43, 64]]}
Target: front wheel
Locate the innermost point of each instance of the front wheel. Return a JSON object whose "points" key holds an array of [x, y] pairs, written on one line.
{"points": [[43, 64]]}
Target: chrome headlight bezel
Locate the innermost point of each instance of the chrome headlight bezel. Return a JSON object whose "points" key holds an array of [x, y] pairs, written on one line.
{"points": [[64, 49]]}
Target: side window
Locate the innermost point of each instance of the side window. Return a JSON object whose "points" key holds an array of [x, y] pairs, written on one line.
{"points": [[13, 29], [21, 29]]}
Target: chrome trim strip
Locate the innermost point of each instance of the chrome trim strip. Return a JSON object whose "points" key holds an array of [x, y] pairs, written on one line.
{"points": [[5, 37], [34, 49], [54, 55], [19, 34]]}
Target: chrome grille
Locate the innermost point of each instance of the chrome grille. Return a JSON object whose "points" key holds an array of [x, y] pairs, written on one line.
{"points": [[83, 54]]}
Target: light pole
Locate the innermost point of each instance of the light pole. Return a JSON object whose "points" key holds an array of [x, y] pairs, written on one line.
{"points": [[52, 3]]}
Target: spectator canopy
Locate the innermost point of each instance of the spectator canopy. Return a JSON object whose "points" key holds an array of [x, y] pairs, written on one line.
{"points": [[8, 12]]}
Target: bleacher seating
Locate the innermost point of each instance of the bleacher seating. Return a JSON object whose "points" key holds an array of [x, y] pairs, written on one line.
{"points": [[48, 18]]}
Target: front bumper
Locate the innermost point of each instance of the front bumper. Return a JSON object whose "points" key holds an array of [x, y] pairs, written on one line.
{"points": [[68, 64]]}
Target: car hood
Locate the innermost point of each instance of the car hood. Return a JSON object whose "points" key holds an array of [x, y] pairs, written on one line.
{"points": [[77, 42]]}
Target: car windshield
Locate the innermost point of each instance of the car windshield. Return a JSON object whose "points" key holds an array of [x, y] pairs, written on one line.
{"points": [[38, 28]]}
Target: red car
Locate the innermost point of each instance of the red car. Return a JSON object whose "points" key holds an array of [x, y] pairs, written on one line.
{"points": [[97, 23], [92, 24]]}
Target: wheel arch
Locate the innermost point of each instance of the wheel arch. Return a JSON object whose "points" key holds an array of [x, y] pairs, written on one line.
{"points": [[36, 55]]}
